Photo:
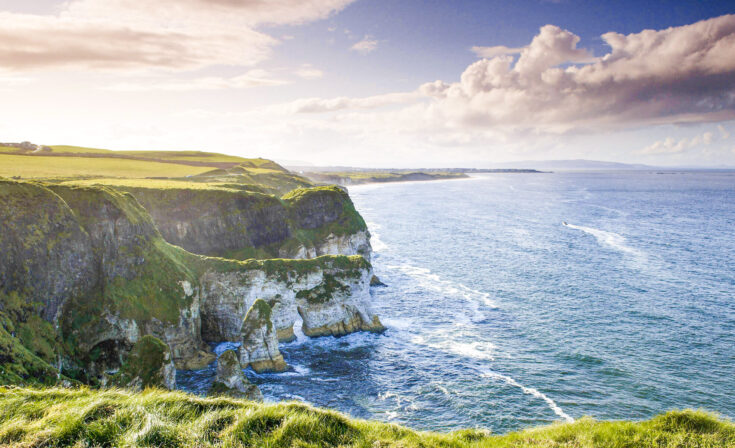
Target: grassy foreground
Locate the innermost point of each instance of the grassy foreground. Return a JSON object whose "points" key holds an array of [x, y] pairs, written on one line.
{"points": [[84, 417]]}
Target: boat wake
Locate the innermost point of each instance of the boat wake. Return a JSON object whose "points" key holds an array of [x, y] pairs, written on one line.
{"points": [[530, 391], [610, 239]]}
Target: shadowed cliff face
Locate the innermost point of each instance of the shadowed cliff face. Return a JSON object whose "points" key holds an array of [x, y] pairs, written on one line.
{"points": [[305, 223], [216, 222], [85, 274], [46, 255]]}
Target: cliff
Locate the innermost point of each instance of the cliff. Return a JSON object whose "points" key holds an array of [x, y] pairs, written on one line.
{"points": [[88, 274], [231, 221]]}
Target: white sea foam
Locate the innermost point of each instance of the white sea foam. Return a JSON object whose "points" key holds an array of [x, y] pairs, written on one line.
{"points": [[449, 344], [443, 389], [610, 239], [375, 241], [530, 391], [399, 324], [435, 283]]}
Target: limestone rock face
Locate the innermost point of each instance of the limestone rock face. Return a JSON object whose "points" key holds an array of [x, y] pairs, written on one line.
{"points": [[259, 348], [332, 297], [337, 306], [353, 244], [149, 364], [231, 381]]}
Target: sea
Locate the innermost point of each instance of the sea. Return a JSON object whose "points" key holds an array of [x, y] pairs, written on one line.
{"points": [[516, 300]]}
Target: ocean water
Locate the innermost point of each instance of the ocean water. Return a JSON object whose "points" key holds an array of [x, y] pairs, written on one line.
{"points": [[500, 316]]}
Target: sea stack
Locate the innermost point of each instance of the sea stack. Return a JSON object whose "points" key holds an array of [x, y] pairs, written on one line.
{"points": [[231, 380], [259, 339]]}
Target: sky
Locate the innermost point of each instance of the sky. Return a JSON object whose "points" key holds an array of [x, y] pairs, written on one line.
{"points": [[376, 83]]}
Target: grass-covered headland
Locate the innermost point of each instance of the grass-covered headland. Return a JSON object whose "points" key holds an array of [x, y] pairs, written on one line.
{"points": [[85, 417]]}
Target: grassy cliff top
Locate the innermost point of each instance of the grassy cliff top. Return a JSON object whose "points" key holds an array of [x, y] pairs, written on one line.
{"points": [[191, 170], [64, 167], [83, 417], [74, 161]]}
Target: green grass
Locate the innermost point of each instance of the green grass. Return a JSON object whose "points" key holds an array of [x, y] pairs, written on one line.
{"points": [[85, 418], [153, 184], [65, 149], [187, 156], [67, 167]]}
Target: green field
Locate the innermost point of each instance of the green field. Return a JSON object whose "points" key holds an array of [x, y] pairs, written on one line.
{"points": [[64, 167], [85, 418], [183, 156], [180, 169]]}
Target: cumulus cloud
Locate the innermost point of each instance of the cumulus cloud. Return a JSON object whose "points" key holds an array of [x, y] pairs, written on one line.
{"points": [[365, 46], [681, 74], [253, 78], [133, 34]]}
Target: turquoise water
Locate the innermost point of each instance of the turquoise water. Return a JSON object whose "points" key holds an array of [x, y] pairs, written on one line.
{"points": [[500, 316]]}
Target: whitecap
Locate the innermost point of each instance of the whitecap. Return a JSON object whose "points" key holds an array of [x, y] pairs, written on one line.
{"points": [[477, 350]]}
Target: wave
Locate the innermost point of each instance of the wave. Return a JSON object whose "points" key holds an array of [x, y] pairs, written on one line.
{"points": [[375, 241], [530, 391], [610, 239]]}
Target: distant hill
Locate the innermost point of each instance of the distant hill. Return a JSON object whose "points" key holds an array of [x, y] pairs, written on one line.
{"points": [[573, 165]]}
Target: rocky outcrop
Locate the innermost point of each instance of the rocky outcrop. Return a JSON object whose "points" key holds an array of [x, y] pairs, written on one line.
{"points": [[337, 306], [357, 243], [330, 294], [259, 342], [231, 381], [149, 364]]}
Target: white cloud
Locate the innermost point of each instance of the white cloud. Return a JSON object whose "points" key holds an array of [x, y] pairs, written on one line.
{"points": [[306, 71], [367, 45], [678, 75], [133, 34], [253, 78], [671, 145], [491, 52], [9, 80], [320, 105], [723, 132]]}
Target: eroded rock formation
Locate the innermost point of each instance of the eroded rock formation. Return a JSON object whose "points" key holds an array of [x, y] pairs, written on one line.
{"points": [[231, 381], [259, 343]]}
